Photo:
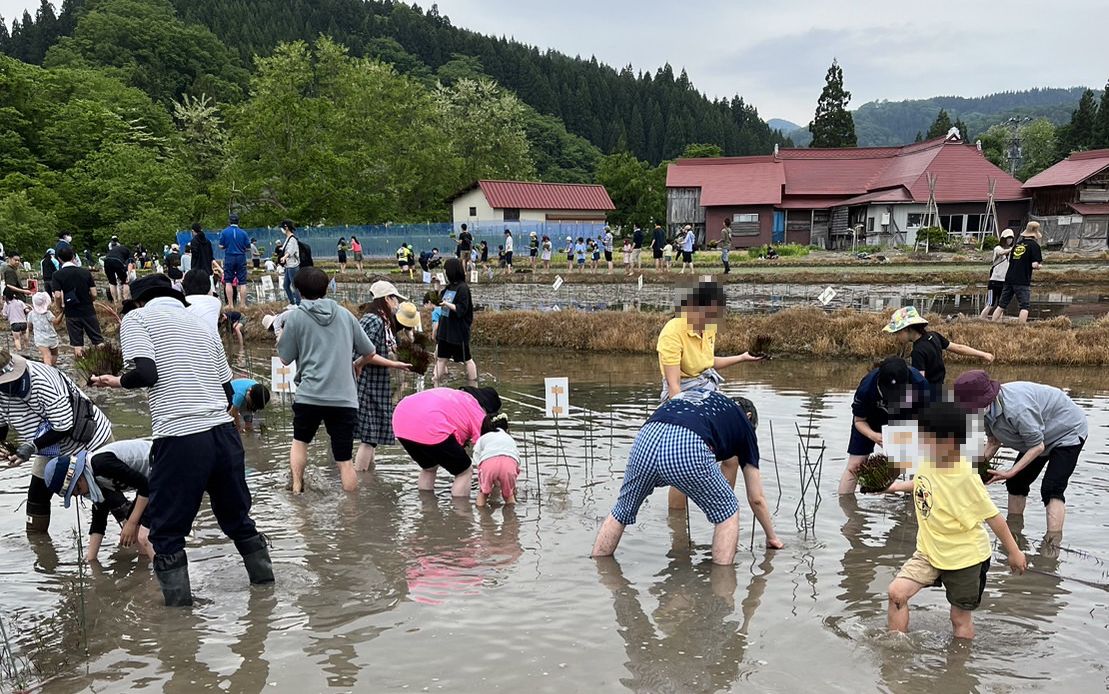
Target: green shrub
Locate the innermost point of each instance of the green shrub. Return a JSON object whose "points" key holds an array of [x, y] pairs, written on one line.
{"points": [[989, 243], [936, 237], [793, 250]]}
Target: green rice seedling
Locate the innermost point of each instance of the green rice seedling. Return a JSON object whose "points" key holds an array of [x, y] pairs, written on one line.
{"points": [[876, 474], [416, 351], [102, 360]]}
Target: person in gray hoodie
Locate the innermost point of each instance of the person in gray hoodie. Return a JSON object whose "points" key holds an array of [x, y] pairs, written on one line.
{"points": [[320, 336]]}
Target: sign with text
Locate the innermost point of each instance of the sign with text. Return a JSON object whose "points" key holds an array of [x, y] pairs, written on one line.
{"points": [[640, 283], [557, 283], [281, 376], [826, 296], [557, 397], [427, 278]]}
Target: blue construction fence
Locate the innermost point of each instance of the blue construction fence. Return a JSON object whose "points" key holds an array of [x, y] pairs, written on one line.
{"points": [[382, 241]]}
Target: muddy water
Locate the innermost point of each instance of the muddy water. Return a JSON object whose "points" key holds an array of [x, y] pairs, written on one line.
{"points": [[388, 590], [1080, 303]]}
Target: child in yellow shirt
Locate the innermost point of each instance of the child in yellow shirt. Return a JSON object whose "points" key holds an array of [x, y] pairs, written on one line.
{"points": [[951, 503]]}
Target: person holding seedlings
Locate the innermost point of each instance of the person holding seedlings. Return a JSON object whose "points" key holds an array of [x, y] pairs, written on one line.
{"points": [[248, 396], [1025, 257], [892, 391], [320, 336], [375, 387], [197, 449], [1042, 423], [683, 445], [103, 476], [951, 504], [927, 357], [453, 336], [43, 324], [497, 460], [545, 252], [998, 269], [50, 417], [434, 426]]}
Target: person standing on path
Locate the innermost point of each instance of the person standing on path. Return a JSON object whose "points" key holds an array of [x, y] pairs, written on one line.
{"points": [[1042, 423], [290, 260], [341, 252], [196, 448], [455, 326], [44, 323], [1025, 257], [375, 388], [236, 246], [508, 245], [726, 245], [75, 292], [637, 248], [13, 285], [658, 243], [688, 240], [465, 243], [202, 251], [65, 240], [356, 249], [998, 269], [606, 242], [320, 336], [255, 254], [51, 417], [49, 265]]}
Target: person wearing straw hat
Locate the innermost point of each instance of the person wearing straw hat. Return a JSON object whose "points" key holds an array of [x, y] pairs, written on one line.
{"points": [[51, 417], [1025, 257], [998, 269], [196, 447], [375, 387], [928, 347], [1042, 423], [44, 324], [103, 476]]}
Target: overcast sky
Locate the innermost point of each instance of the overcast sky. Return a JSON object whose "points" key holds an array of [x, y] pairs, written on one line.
{"points": [[775, 53]]}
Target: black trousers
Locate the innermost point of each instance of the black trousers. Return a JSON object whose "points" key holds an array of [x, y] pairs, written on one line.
{"points": [[182, 468]]}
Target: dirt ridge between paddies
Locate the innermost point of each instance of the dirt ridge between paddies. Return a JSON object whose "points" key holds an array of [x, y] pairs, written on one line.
{"points": [[795, 332]]}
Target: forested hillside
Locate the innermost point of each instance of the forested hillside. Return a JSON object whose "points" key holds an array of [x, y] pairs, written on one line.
{"points": [[651, 116]]}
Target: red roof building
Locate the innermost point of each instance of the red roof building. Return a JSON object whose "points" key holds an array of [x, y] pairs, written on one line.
{"points": [[821, 196], [1071, 201], [522, 201]]}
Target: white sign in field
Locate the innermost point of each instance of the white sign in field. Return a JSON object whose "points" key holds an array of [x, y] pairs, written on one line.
{"points": [[282, 375], [557, 397]]}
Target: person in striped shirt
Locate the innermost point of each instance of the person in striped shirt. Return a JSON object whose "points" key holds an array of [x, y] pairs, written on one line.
{"points": [[37, 402], [196, 447]]}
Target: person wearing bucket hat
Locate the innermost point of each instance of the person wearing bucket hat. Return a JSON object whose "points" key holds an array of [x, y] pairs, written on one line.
{"points": [[999, 267], [684, 444], [928, 347], [320, 336], [103, 476], [1025, 257], [40, 403], [890, 392], [1042, 423], [43, 324], [196, 448], [375, 384], [434, 426]]}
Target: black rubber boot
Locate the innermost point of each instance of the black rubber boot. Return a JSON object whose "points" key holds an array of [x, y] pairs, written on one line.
{"points": [[172, 571], [256, 558], [38, 506]]}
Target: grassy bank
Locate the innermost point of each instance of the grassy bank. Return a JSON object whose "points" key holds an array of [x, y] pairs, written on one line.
{"points": [[795, 332]]}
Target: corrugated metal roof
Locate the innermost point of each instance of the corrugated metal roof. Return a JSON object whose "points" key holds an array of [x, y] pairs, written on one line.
{"points": [[808, 175], [1090, 208], [892, 195], [1072, 170], [546, 196]]}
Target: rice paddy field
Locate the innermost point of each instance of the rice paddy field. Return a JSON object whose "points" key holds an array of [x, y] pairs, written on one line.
{"points": [[388, 589]]}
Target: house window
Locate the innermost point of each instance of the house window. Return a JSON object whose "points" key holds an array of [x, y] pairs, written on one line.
{"points": [[512, 214], [974, 222], [957, 222], [915, 219], [945, 221], [746, 218], [473, 211], [746, 224], [869, 224]]}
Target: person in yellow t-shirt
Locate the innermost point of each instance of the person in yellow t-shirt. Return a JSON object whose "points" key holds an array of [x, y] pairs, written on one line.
{"points": [[952, 547], [687, 358]]}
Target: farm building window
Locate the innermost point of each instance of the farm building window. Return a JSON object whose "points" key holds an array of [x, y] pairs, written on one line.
{"points": [[915, 220], [512, 214], [473, 211], [957, 224], [974, 222], [870, 224], [746, 224], [746, 218]]}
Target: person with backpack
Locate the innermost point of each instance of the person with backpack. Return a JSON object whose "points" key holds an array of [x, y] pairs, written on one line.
{"points": [[290, 260], [75, 292]]}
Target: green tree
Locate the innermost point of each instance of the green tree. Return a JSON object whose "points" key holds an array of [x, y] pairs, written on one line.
{"points": [[637, 189], [1038, 148], [560, 157], [940, 126], [27, 229], [486, 129], [701, 151], [1100, 138], [1078, 135], [833, 125], [964, 132]]}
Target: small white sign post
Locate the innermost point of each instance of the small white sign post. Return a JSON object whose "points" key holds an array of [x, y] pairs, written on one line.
{"points": [[826, 296], [282, 375], [557, 284], [557, 397]]}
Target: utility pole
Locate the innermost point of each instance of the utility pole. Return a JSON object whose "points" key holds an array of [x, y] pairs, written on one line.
{"points": [[1016, 155]]}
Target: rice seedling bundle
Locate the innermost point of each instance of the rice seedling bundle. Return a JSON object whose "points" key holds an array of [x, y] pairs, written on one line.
{"points": [[876, 474], [417, 351], [102, 360]]}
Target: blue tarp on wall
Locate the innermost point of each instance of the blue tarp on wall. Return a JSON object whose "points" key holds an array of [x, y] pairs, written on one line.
{"points": [[381, 241]]}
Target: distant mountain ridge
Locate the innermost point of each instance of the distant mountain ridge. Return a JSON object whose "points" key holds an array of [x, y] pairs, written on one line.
{"points": [[886, 123]]}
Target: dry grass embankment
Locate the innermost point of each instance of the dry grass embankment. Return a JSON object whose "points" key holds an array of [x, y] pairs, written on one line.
{"points": [[799, 332]]}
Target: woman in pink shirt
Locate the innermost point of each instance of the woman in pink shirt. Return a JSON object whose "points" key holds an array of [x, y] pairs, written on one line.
{"points": [[435, 426]]}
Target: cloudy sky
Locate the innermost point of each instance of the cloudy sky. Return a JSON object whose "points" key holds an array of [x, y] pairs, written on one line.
{"points": [[775, 53]]}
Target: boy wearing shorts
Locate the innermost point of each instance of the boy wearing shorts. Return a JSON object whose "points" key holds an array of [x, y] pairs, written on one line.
{"points": [[951, 503]]}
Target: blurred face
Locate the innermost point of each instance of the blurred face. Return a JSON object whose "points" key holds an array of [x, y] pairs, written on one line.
{"points": [[392, 302], [700, 317], [943, 452]]}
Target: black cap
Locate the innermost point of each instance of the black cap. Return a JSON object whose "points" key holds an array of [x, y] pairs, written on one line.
{"points": [[488, 398], [153, 286]]}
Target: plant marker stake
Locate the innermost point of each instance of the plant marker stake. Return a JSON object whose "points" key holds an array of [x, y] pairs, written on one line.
{"points": [[777, 478]]}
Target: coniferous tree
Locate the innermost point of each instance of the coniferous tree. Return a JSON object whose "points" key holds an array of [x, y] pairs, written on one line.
{"points": [[940, 126], [833, 125], [1100, 138], [4, 36], [962, 127], [1078, 135]]}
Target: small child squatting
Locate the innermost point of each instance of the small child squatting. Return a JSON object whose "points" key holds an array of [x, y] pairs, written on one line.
{"points": [[497, 461], [952, 547]]}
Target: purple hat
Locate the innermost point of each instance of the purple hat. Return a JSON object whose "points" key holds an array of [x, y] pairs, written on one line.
{"points": [[975, 390]]}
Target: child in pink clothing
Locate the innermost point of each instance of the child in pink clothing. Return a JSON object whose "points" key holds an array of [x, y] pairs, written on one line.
{"points": [[435, 426], [497, 460]]}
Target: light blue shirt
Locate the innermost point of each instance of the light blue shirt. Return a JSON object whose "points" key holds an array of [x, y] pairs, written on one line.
{"points": [[1027, 414], [687, 243]]}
